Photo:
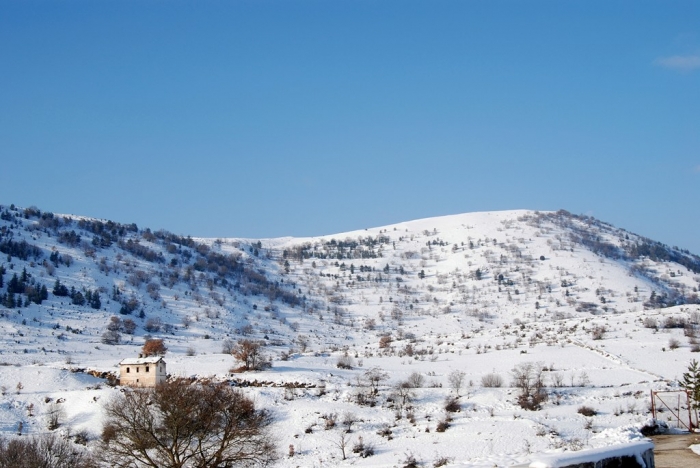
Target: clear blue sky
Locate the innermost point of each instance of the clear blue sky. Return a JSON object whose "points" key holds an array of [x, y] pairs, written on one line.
{"points": [[272, 118]]}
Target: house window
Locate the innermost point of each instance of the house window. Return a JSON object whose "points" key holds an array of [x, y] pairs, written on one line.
{"points": [[137, 369], [146, 368], [128, 370]]}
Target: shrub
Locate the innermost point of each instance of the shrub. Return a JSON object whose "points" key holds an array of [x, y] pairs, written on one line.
{"points": [[452, 405], [111, 337], [47, 450], [650, 322], [442, 426], [586, 411], [410, 461], [330, 420], [384, 341], [492, 381], [598, 332], [364, 450], [344, 362], [441, 461], [673, 343], [153, 325]]}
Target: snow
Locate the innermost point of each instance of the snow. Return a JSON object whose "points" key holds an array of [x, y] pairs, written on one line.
{"points": [[449, 321], [633, 449]]}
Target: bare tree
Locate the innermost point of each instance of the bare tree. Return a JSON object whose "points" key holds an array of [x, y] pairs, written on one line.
{"points": [[416, 380], [348, 420], [342, 443], [529, 378], [303, 342], [154, 347], [249, 352], [456, 380], [186, 424], [403, 393], [374, 377], [54, 415]]}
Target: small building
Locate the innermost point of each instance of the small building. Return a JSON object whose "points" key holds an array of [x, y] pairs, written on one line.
{"points": [[142, 371]]}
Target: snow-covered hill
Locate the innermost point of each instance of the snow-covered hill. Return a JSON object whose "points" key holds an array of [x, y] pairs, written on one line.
{"points": [[608, 315]]}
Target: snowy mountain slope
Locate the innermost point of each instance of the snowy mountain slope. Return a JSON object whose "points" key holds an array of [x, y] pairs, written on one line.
{"points": [[610, 315]]}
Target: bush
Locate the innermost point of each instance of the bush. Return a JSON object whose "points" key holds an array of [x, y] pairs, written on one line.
{"points": [[598, 332], [47, 450], [153, 325], [111, 337], [441, 461], [452, 405], [344, 362], [442, 426], [586, 411], [492, 381], [364, 450]]}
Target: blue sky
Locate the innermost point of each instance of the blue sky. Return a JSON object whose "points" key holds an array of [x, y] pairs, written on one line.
{"points": [[273, 118]]}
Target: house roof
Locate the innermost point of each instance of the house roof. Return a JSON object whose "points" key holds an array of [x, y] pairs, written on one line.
{"points": [[146, 360]]}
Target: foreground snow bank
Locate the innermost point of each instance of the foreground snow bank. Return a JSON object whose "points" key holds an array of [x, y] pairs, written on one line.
{"points": [[641, 451]]}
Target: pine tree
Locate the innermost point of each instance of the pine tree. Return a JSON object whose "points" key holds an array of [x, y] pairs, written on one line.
{"points": [[13, 286], [95, 302], [59, 289], [691, 383]]}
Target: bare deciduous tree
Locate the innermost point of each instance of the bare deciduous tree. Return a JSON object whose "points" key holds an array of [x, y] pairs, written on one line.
{"points": [[374, 377], [529, 378], [416, 380], [154, 347], [456, 380], [249, 352], [186, 424]]}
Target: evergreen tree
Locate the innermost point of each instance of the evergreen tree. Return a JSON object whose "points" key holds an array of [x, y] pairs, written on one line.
{"points": [[54, 258], [691, 383], [95, 302], [78, 298], [59, 289], [13, 286]]}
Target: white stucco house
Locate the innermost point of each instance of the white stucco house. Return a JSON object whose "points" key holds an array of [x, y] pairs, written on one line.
{"points": [[142, 371]]}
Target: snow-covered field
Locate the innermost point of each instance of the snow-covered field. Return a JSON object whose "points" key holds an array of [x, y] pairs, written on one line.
{"points": [[478, 294]]}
